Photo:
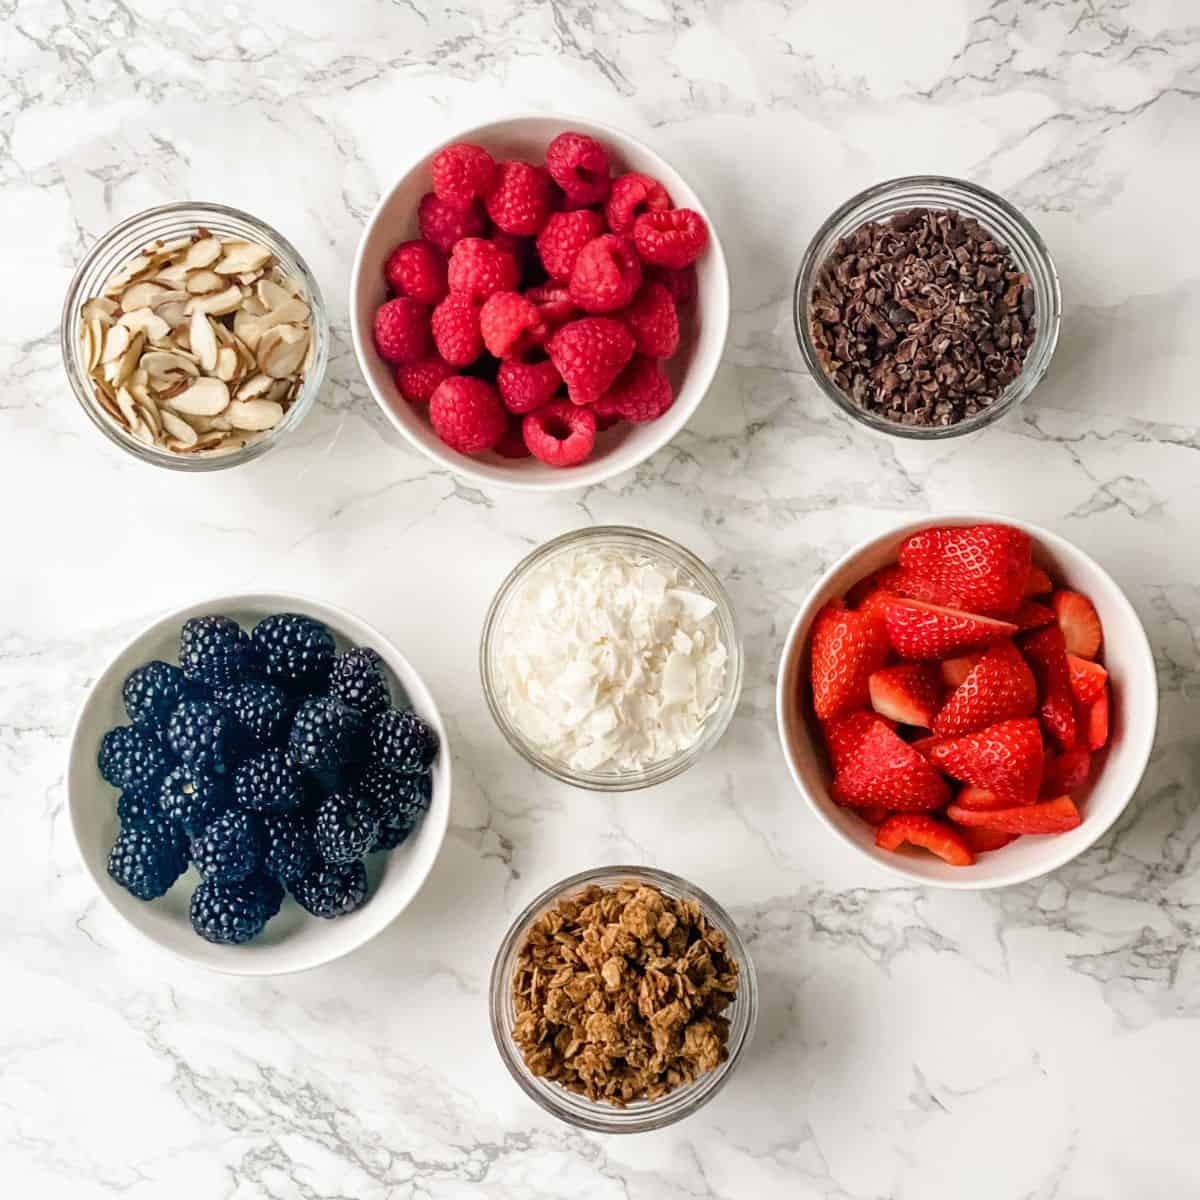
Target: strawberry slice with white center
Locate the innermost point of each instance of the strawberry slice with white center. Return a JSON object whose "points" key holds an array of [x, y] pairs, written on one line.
{"points": [[920, 630], [1050, 816], [908, 693], [999, 688], [1079, 622], [1087, 679], [1032, 615], [955, 670], [1039, 583], [846, 648], [1006, 759], [1094, 719], [981, 568], [874, 765], [1046, 652]]}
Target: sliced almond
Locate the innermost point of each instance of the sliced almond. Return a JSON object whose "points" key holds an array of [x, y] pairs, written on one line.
{"points": [[109, 404], [254, 414], [245, 325], [200, 283], [142, 432], [126, 405], [239, 256], [124, 367], [174, 313], [124, 275], [142, 295], [217, 304], [279, 391], [281, 350], [152, 418], [160, 363], [102, 308], [227, 363], [172, 276], [203, 253], [148, 321], [206, 440], [256, 385], [203, 342], [116, 341], [290, 313], [178, 428], [205, 397], [271, 294]]}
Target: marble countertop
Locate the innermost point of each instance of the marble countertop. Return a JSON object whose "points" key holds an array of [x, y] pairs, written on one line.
{"points": [[1040, 1042]]}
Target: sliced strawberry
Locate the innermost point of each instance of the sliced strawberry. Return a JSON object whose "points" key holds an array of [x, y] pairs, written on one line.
{"points": [[1046, 652], [859, 591], [983, 840], [1067, 772], [922, 745], [983, 568], [920, 630], [908, 693], [955, 670], [1079, 621], [874, 765], [1050, 816], [1006, 759], [929, 833], [1095, 721], [844, 735], [1039, 583], [1087, 678], [1032, 615], [999, 688], [846, 648], [980, 799], [874, 814]]}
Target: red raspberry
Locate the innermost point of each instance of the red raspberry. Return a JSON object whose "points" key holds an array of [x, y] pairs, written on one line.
{"points": [[653, 321], [525, 386], [521, 200], [462, 174], [402, 330], [510, 325], [418, 381], [417, 270], [681, 284], [442, 224], [565, 234], [554, 303], [589, 355], [579, 165], [561, 435], [670, 239], [455, 325], [467, 414], [605, 420], [642, 392], [632, 195], [607, 274], [479, 268], [512, 444]]}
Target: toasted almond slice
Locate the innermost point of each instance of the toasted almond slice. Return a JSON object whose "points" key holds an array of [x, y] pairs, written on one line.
{"points": [[171, 248], [172, 276], [249, 278], [256, 385], [238, 257], [124, 367], [100, 307], [142, 295], [175, 313], [171, 296], [148, 321], [202, 341], [142, 432], [281, 350], [200, 283], [310, 356], [87, 345], [116, 342], [205, 440], [254, 414], [203, 253], [205, 397], [109, 404], [152, 418], [291, 313], [254, 306], [126, 405], [245, 325], [271, 295], [178, 428], [161, 363], [217, 304], [279, 390], [227, 363], [124, 275]]}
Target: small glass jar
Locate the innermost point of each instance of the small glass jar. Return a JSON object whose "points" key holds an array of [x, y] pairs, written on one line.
{"points": [[170, 221], [643, 1115], [999, 218], [654, 547]]}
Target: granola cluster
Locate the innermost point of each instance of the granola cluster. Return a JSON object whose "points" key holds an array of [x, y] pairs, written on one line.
{"points": [[619, 993]]}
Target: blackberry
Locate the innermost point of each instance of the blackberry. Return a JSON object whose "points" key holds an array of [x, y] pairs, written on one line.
{"points": [[262, 711], [229, 913], [344, 828], [398, 802], [146, 859], [213, 650], [290, 851], [203, 735], [131, 756], [399, 740], [269, 891], [293, 651], [332, 889], [357, 679], [152, 691], [268, 783], [229, 848], [325, 734], [192, 798], [138, 804]]}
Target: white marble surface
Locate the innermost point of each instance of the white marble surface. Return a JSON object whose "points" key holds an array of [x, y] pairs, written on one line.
{"points": [[1040, 1043]]}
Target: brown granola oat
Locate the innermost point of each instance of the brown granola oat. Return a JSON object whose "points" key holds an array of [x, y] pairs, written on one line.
{"points": [[619, 992]]}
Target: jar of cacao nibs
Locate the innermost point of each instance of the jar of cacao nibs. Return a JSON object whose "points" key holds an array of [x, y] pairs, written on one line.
{"points": [[927, 307]]}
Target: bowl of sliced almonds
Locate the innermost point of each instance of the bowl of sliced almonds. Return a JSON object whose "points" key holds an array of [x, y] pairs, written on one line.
{"points": [[194, 336]]}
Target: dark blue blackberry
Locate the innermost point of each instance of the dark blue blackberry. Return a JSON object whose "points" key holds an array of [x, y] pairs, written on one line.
{"points": [[293, 651], [325, 734], [332, 889], [192, 798], [147, 858], [269, 783], [357, 679], [290, 851], [344, 828], [132, 756], [399, 740], [229, 848], [229, 912], [263, 712], [398, 802], [203, 735], [269, 891], [214, 650], [152, 691]]}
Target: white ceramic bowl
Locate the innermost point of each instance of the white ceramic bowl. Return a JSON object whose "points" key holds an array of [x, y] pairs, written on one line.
{"points": [[294, 940], [1117, 770], [703, 332]]}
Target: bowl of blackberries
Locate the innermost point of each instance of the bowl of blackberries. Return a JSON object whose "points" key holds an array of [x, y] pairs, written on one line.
{"points": [[259, 783]]}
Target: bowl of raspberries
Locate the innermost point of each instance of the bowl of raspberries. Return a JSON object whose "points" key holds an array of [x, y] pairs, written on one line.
{"points": [[968, 700], [539, 304], [259, 783]]}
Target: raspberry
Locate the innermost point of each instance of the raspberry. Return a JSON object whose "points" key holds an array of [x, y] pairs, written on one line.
{"points": [[479, 269], [522, 199], [561, 435], [442, 224], [670, 239], [467, 414], [402, 330], [527, 386], [681, 284], [554, 303], [512, 444], [589, 355], [462, 174], [564, 235], [455, 325], [632, 195], [653, 321], [417, 270], [418, 381], [510, 324], [642, 392], [607, 274], [579, 165]]}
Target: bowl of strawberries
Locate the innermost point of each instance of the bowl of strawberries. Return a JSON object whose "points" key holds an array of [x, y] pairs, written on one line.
{"points": [[539, 303], [969, 700]]}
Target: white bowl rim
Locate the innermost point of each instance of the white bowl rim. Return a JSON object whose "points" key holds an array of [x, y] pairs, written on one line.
{"points": [[574, 478], [1097, 828], [247, 967]]}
